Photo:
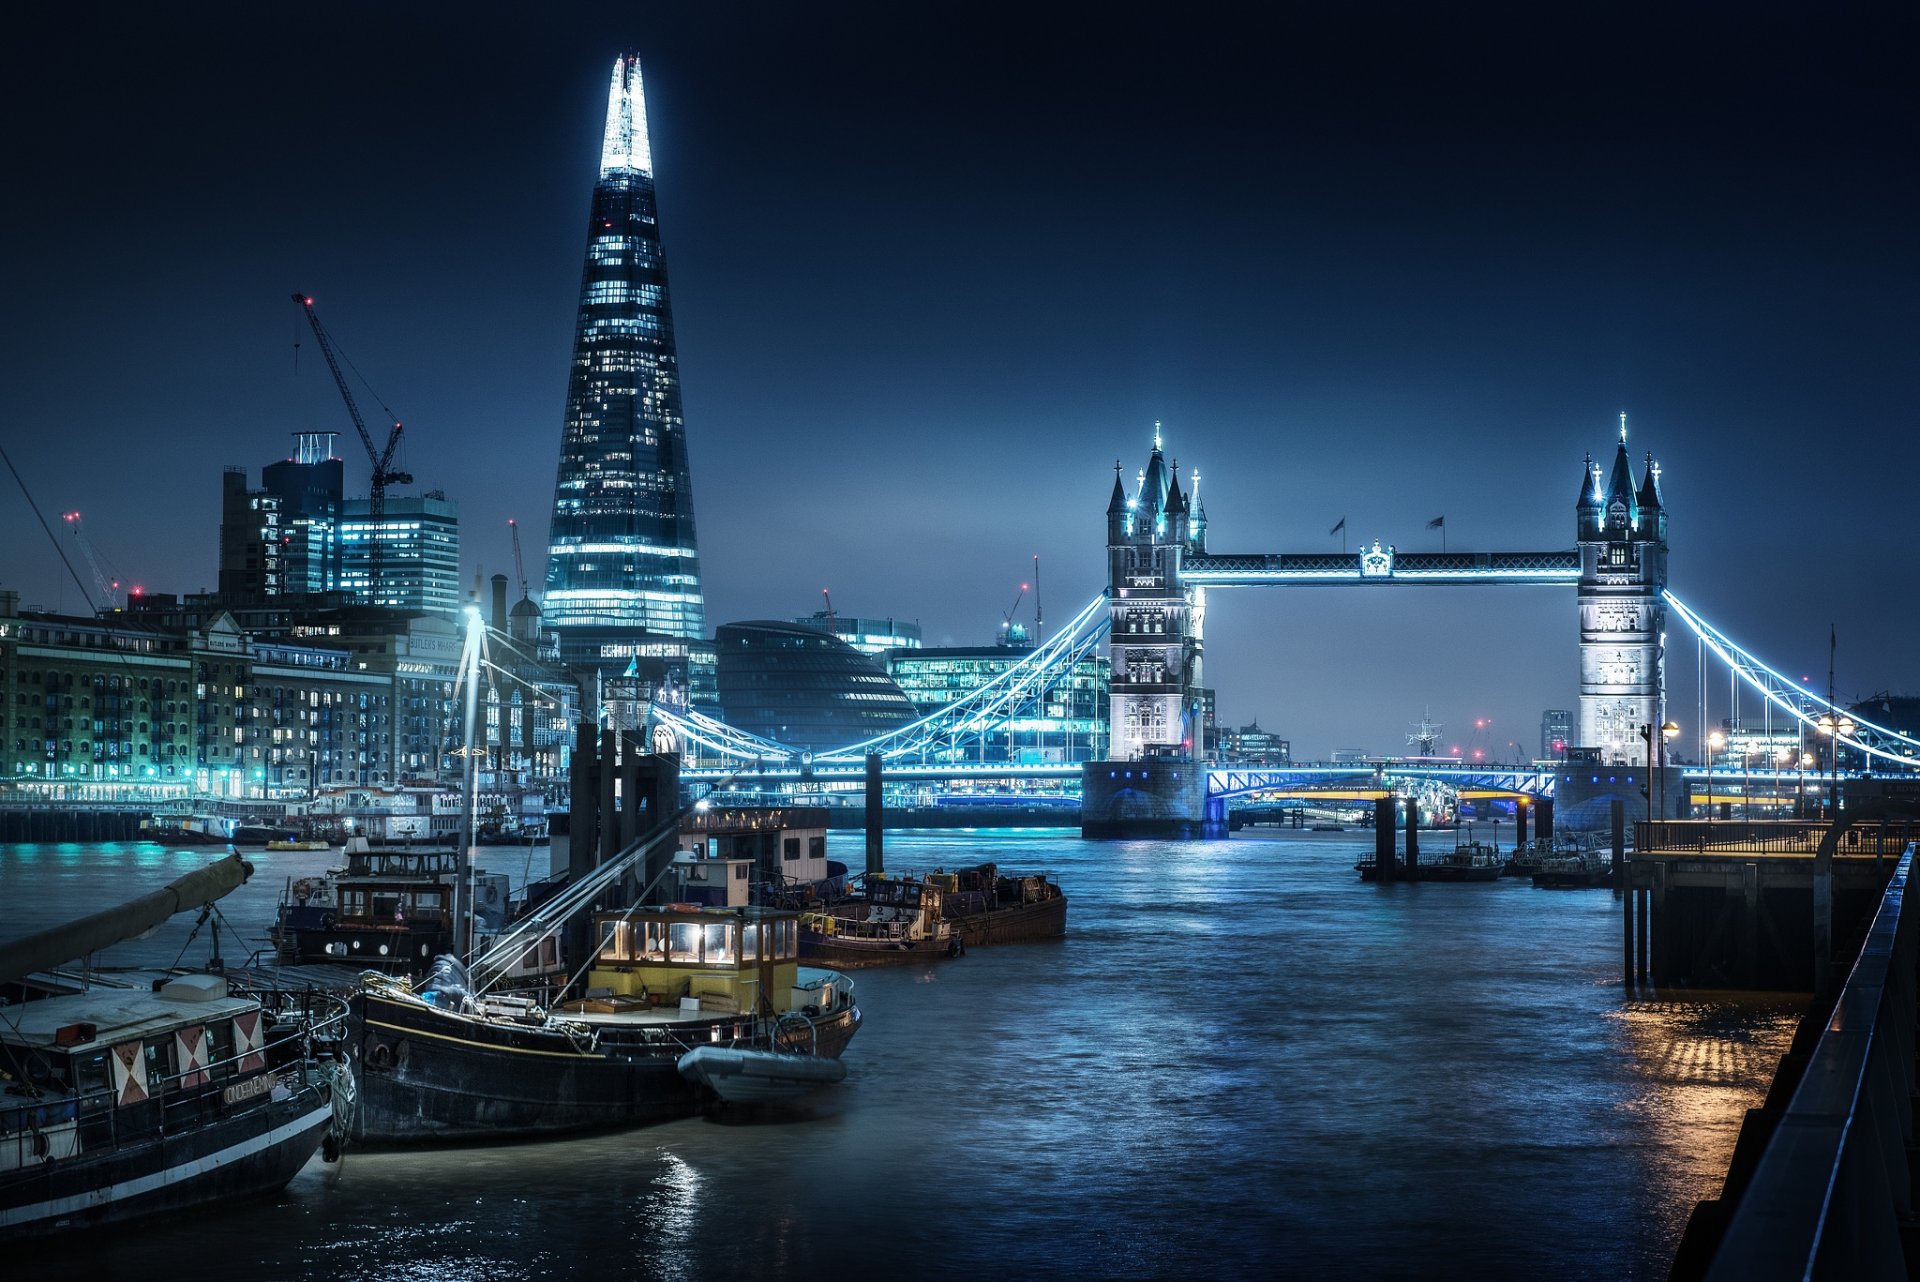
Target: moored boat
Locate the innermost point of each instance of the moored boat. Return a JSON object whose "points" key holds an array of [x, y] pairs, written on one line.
{"points": [[1469, 861], [389, 909], [1528, 856], [893, 920], [127, 1101], [187, 830], [1576, 870], [445, 1064]]}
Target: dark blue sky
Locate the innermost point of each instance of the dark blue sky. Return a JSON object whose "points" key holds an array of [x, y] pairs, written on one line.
{"points": [[934, 267]]}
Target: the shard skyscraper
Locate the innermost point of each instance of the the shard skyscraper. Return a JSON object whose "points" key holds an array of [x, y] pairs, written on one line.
{"points": [[623, 569]]}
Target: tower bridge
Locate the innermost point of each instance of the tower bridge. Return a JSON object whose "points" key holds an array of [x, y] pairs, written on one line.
{"points": [[1151, 617], [1160, 570]]}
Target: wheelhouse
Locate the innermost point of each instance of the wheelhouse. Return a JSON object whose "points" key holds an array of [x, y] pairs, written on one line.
{"points": [[728, 961]]}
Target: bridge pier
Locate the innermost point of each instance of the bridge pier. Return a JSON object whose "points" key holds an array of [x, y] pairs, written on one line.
{"points": [[1151, 797]]}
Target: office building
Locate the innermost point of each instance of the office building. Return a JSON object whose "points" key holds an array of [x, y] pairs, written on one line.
{"points": [[419, 553]]}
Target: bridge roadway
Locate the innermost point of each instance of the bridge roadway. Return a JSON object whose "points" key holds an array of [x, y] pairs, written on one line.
{"points": [[1376, 565], [1223, 781], [1531, 780]]}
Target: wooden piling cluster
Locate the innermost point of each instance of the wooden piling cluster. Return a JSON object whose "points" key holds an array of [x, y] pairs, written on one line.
{"points": [[620, 793]]}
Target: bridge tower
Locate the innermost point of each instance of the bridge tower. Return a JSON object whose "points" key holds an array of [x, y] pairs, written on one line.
{"points": [[1154, 785], [1622, 537]]}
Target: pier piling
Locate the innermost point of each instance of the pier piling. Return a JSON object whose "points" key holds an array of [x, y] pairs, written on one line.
{"points": [[1413, 835], [1384, 865], [876, 817]]}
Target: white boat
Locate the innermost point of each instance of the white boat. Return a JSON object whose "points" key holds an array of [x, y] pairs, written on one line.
{"points": [[740, 1076]]}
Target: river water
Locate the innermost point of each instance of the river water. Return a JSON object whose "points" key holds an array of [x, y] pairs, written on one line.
{"points": [[1239, 1062]]}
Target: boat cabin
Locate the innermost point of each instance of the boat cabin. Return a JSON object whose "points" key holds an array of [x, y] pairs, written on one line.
{"points": [[389, 908], [711, 882], [93, 1070], [786, 845], [699, 959]]}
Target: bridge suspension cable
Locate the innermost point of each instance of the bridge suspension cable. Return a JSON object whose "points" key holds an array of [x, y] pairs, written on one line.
{"points": [[942, 734], [1796, 700]]}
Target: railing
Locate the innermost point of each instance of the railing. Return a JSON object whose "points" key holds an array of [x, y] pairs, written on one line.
{"points": [[1769, 837], [1829, 1192]]}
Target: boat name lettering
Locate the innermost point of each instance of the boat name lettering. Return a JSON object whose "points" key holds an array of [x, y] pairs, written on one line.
{"points": [[249, 1089]]}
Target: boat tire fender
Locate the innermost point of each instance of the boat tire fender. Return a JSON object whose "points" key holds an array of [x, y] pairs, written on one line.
{"points": [[379, 1055]]}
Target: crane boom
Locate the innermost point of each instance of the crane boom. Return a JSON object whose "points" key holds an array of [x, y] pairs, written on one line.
{"points": [[384, 473], [108, 586], [519, 566]]}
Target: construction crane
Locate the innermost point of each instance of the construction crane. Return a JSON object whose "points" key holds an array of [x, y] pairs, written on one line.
{"points": [[384, 473], [829, 600], [108, 587], [1006, 620]]}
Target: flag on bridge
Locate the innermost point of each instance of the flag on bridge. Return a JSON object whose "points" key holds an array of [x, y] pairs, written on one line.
{"points": [[1339, 527], [1438, 522]]}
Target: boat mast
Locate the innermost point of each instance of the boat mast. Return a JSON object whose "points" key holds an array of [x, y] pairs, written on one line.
{"points": [[469, 789]]}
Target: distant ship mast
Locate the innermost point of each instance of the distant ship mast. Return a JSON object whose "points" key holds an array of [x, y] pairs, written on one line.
{"points": [[1425, 735]]}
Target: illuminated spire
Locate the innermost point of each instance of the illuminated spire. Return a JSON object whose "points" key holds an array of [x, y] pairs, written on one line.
{"points": [[1650, 486], [1156, 434], [626, 146], [1589, 486], [1623, 427]]}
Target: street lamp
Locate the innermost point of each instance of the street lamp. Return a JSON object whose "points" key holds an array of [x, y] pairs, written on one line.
{"points": [[1715, 742], [1806, 759], [1834, 727], [1646, 732], [1667, 732]]}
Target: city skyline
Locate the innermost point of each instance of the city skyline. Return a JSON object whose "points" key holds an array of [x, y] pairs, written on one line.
{"points": [[933, 275]]}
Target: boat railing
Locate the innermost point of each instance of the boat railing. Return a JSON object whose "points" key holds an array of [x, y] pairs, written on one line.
{"points": [[887, 930]]}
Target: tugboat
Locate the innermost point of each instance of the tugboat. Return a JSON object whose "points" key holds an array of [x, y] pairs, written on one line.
{"points": [[892, 920], [447, 1063], [123, 1101], [389, 909]]}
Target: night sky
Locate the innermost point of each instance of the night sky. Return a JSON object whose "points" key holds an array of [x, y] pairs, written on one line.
{"points": [[935, 267]]}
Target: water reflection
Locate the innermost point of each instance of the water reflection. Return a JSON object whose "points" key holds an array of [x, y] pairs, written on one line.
{"points": [[1239, 1062]]}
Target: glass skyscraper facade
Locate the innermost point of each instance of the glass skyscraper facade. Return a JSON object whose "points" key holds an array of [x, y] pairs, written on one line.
{"points": [[623, 570], [419, 553]]}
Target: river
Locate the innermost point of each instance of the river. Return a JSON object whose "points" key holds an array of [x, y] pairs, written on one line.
{"points": [[1239, 1062]]}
